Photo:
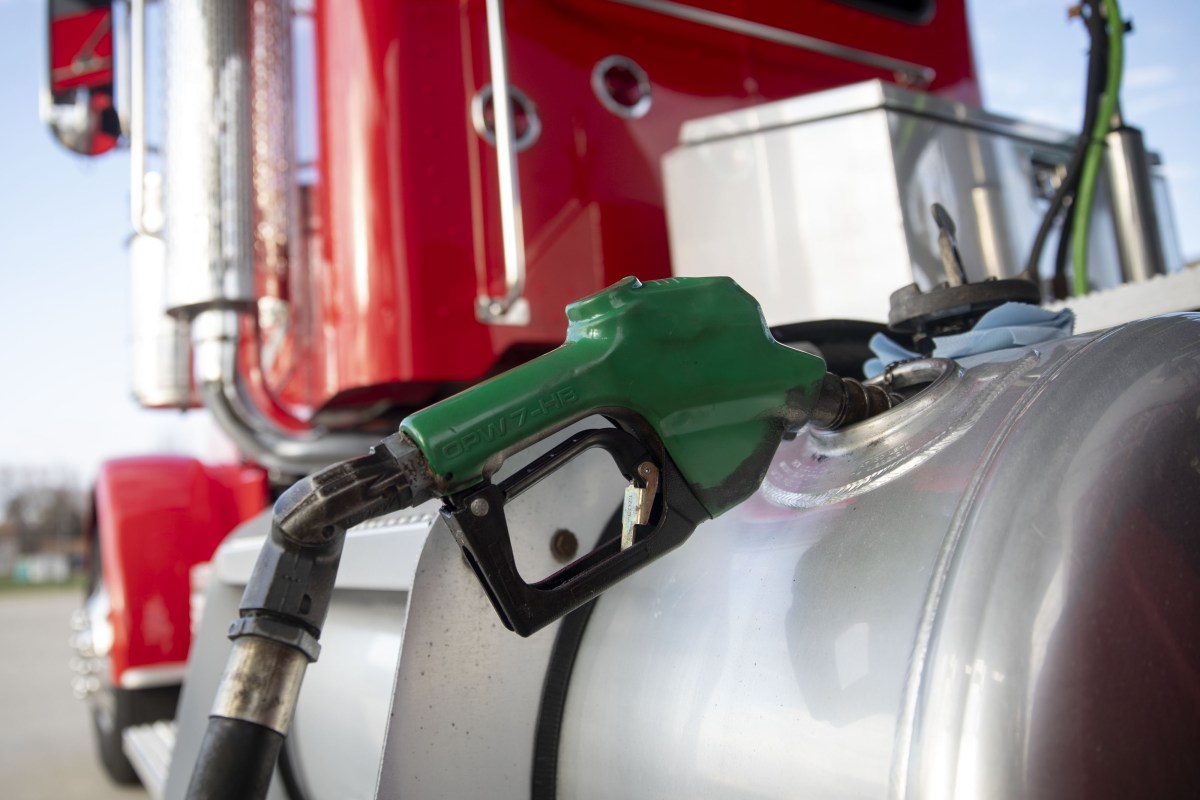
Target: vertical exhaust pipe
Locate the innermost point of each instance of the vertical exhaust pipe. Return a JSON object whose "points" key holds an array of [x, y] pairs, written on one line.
{"points": [[218, 185], [208, 220]]}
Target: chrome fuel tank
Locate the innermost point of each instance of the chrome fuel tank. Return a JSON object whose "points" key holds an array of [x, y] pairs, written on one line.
{"points": [[992, 590]]}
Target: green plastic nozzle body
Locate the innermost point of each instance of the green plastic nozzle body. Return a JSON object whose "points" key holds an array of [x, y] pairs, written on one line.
{"points": [[688, 359]]}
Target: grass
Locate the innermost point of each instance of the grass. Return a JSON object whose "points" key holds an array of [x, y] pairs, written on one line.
{"points": [[8, 585]]}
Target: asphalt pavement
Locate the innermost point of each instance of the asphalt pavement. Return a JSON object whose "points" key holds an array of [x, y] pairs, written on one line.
{"points": [[46, 746]]}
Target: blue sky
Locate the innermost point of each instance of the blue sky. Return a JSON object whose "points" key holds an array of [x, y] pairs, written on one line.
{"points": [[64, 287]]}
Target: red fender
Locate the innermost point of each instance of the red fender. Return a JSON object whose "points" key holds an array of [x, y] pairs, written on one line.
{"points": [[157, 517]]}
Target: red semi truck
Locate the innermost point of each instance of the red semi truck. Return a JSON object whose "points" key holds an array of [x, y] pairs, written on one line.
{"points": [[352, 210]]}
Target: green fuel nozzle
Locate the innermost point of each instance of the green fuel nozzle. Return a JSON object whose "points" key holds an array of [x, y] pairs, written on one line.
{"points": [[688, 362], [699, 396]]}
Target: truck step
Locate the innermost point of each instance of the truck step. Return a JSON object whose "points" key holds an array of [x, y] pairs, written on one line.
{"points": [[148, 748]]}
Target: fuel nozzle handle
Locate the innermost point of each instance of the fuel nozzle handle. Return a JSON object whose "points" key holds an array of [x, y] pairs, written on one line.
{"points": [[687, 363]]}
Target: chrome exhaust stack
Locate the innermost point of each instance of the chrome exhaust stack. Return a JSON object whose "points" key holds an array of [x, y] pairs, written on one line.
{"points": [[229, 201], [208, 226], [215, 339]]}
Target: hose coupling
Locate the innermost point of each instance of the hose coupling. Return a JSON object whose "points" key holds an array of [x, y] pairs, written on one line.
{"points": [[845, 401]]}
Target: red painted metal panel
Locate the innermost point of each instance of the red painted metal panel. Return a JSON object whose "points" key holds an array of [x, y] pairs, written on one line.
{"points": [[409, 228], [81, 49], [158, 516]]}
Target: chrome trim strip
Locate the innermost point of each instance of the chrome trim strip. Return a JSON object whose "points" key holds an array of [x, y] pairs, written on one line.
{"points": [[914, 74], [153, 675], [511, 308], [137, 120]]}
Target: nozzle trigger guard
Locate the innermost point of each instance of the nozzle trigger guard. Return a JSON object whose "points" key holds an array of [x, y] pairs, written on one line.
{"points": [[477, 520]]}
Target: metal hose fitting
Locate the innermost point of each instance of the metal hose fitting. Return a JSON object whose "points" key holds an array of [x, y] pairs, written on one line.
{"points": [[845, 401]]}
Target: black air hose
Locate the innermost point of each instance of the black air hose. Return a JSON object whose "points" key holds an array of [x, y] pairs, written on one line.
{"points": [[1097, 68]]}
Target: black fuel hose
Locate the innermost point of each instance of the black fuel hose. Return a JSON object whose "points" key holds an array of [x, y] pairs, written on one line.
{"points": [[283, 610], [237, 759]]}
